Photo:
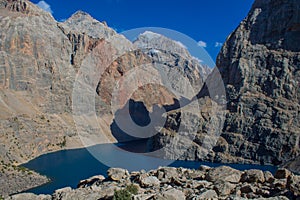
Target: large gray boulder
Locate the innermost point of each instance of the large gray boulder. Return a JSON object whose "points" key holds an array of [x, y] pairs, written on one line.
{"points": [[117, 174], [253, 176], [224, 173]]}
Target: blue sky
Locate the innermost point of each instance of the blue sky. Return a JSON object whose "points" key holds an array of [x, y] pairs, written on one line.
{"points": [[208, 22]]}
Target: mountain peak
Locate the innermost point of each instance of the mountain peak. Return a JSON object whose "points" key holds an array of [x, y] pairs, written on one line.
{"points": [[81, 15], [151, 35], [20, 7], [82, 21], [152, 40]]}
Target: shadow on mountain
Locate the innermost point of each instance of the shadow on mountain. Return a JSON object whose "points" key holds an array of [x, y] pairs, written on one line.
{"points": [[133, 125]]}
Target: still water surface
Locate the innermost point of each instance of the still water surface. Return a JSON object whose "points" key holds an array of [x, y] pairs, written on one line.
{"points": [[68, 167]]}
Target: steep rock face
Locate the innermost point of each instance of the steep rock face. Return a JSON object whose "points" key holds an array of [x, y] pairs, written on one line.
{"points": [[35, 85], [259, 65], [84, 32], [35, 79], [163, 49]]}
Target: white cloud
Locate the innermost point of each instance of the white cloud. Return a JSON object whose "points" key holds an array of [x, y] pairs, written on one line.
{"points": [[218, 44], [202, 44], [45, 6], [180, 44]]}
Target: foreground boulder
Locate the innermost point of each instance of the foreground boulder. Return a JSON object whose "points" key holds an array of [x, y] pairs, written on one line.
{"points": [[253, 176], [224, 173], [117, 174]]}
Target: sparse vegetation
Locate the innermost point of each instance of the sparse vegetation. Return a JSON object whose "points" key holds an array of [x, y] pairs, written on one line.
{"points": [[63, 143], [126, 194], [122, 195], [133, 189], [22, 169]]}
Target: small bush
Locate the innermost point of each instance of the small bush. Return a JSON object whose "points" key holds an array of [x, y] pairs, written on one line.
{"points": [[22, 169], [126, 194], [133, 189], [63, 143], [122, 195]]}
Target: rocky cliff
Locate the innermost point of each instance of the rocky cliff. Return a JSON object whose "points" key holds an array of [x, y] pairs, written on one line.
{"points": [[259, 65]]}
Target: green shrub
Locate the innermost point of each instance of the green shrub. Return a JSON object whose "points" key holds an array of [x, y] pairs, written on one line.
{"points": [[122, 195], [63, 143], [126, 194], [133, 189], [22, 169]]}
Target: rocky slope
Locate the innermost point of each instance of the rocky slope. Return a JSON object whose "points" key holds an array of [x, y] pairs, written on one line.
{"points": [[259, 65], [179, 183]]}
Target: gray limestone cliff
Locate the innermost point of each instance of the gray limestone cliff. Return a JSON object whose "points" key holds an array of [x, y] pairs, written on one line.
{"points": [[259, 64]]}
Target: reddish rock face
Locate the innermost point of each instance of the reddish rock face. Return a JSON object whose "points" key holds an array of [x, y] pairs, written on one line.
{"points": [[151, 94]]}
